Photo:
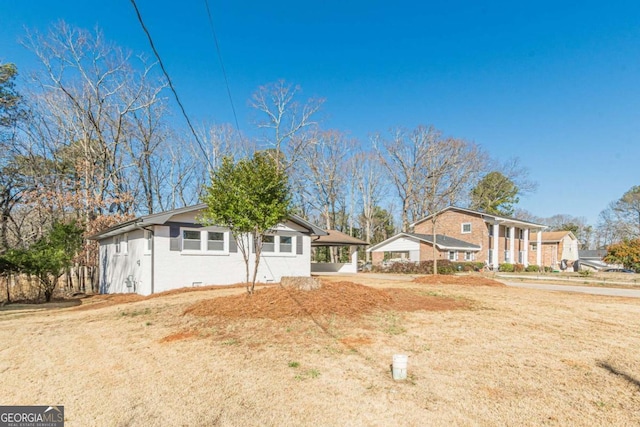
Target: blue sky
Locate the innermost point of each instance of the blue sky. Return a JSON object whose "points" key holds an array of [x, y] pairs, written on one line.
{"points": [[556, 84]]}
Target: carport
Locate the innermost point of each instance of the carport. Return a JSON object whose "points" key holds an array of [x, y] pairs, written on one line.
{"points": [[335, 238]]}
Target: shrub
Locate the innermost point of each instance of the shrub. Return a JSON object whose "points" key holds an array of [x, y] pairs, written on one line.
{"points": [[585, 273], [506, 268], [518, 268], [424, 267], [532, 268]]}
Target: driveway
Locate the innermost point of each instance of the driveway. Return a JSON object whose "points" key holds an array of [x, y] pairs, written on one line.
{"points": [[614, 292]]}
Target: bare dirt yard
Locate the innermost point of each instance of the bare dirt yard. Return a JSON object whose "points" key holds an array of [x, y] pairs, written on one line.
{"points": [[479, 354]]}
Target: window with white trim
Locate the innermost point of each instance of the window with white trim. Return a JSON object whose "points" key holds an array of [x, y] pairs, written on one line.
{"points": [[268, 243], [215, 241], [521, 257], [466, 228], [286, 244], [469, 256], [453, 255], [507, 232], [121, 243], [507, 256], [191, 240], [275, 244], [520, 233], [534, 246]]}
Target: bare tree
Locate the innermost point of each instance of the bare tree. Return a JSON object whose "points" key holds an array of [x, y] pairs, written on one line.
{"points": [[621, 219], [324, 168], [287, 120], [429, 172], [109, 110], [371, 184], [404, 156]]}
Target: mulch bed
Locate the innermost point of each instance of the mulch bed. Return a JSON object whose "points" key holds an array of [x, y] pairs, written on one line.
{"points": [[444, 279], [333, 298]]}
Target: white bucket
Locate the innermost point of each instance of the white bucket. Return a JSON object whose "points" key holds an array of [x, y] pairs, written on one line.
{"points": [[399, 367]]}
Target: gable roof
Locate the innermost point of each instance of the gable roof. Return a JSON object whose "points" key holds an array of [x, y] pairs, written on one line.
{"points": [[164, 217], [486, 216], [556, 236], [337, 238], [442, 242]]}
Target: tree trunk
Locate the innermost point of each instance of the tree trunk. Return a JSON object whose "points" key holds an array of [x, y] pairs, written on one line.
{"points": [[258, 245], [8, 287], [433, 236]]}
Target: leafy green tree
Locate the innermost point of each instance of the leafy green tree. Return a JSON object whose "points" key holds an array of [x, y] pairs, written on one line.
{"points": [[495, 194], [249, 197], [49, 257], [626, 253]]}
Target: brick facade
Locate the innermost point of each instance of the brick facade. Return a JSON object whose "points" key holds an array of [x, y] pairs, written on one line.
{"points": [[450, 223], [478, 230], [377, 258]]}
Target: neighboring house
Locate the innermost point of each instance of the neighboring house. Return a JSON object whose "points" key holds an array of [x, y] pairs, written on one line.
{"points": [[594, 260], [558, 246], [419, 247], [466, 235], [171, 250]]}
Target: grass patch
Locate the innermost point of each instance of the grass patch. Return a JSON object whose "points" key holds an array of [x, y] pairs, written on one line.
{"points": [[135, 313]]}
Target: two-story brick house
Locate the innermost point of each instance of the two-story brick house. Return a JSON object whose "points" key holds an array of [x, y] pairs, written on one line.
{"points": [[466, 235]]}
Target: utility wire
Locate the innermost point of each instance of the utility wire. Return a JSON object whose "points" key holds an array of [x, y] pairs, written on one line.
{"points": [[175, 94], [224, 72]]}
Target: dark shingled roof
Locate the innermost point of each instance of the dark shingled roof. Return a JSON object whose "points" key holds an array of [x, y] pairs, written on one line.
{"points": [[337, 238]]}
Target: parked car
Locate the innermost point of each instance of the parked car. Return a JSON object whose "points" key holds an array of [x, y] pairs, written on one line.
{"points": [[618, 270]]}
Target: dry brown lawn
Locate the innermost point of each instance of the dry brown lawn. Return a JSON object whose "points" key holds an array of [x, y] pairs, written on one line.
{"points": [[478, 355]]}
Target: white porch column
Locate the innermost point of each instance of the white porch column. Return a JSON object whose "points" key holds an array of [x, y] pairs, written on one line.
{"points": [[496, 245], [525, 254], [539, 249], [512, 245], [354, 258]]}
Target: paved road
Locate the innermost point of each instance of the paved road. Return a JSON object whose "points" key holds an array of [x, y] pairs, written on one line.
{"points": [[595, 290]]}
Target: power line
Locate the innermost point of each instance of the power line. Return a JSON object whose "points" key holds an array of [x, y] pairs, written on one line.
{"points": [[224, 72], [175, 94]]}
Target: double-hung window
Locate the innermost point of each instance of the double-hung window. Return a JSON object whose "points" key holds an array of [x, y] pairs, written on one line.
{"points": [[215, 241], [268, 243], [468, 256], [286, 245], [277, 244], [453, 255], [191, 240], [121, 243], [466, 228]]}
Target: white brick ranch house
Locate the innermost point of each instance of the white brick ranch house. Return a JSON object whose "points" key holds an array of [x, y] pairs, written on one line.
{"points": [[170, 250]]}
